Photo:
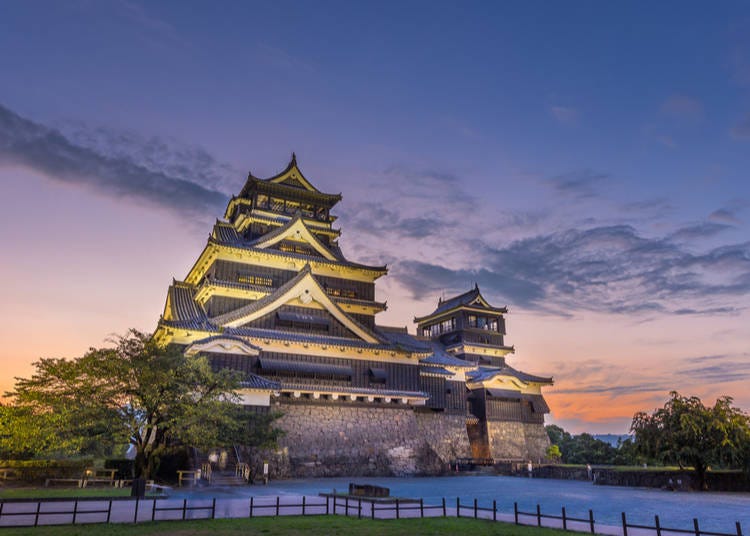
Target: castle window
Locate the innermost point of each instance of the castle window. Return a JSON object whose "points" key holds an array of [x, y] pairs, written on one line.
{"points": [[377, 375], [308, 211], [261, 201], [472, 321], [492, 324], [342, 292], [277, 205], [320, 214], [291, 207], [255, 280]]}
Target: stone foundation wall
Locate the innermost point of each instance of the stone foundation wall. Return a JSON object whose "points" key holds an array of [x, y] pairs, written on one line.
{"points": [[517, 440], [335, 440]]}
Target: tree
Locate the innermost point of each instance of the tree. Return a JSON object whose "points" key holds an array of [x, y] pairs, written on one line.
{"points": [[690, 434], [139, 393], [553, 453]]}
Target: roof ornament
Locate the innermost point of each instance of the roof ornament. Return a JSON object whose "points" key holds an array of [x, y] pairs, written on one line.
{"points": [[294, 159], [476, 285]]}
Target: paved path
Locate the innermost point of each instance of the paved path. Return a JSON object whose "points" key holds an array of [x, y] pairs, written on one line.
{"points": [[63, 512]]}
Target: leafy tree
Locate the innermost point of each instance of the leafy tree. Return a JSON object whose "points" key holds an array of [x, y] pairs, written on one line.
{"points": [[139, 393], [691, 434], [583, 448], [553, 453]]}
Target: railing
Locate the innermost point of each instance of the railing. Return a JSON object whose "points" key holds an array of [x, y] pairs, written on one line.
{"points": [[243, 470], [126, 510]]}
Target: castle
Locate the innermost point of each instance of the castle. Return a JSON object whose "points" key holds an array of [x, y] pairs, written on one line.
{"points": [[272, 296]]}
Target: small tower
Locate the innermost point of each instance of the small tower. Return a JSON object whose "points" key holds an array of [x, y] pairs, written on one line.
{"points": [[469, 328]]}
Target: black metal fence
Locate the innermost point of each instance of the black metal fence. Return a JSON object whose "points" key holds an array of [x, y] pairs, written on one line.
{"points": [[99, 510]]}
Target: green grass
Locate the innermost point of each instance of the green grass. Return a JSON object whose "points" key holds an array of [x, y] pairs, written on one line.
{"points": [[297, 526], [52, 493]]}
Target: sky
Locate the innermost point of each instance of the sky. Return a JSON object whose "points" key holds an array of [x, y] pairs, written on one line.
{"points": [[586, 163]]}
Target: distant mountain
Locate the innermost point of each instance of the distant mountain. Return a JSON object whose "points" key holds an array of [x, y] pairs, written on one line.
{"points": [[612, 439]]}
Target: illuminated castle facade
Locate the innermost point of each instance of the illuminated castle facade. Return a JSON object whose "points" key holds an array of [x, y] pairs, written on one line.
{"points": [[272, 296]]}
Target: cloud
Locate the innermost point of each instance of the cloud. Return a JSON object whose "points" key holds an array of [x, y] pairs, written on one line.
{"points": [[611, 269], [564, 114], [578, 184], [724, 215], [741, 130], [700, 230], [720, 368], [48, 151], [683, 107]]}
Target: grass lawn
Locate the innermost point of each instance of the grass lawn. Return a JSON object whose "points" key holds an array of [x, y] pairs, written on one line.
{"points": [[297, 526], [50, 493]]}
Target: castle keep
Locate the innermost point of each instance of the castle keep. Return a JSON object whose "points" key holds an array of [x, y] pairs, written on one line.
{"points": [[273, 296]]}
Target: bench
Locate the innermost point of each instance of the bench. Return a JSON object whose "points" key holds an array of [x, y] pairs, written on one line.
{"points": [[8, 473], [191, 477], [92, 477]]}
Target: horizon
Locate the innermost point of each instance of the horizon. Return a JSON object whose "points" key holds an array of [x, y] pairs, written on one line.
{"points": [[584, 165]]}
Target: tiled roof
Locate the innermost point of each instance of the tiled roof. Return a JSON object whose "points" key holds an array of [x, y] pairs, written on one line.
{"points": [[270, 298], [281, 230], [253, 381], [484, 373], [223, 336], [184, 310], [401, 338], [301, 256], [435, 370], [225, 232], [268, 365], [295, 336], [465, 299], [440, 357], [262, 302]]}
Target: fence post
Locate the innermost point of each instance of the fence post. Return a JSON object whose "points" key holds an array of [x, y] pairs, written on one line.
{"points": [[476, 512], [213, 508], [184, 508], [153, 510], [398, 513], [458, 507], [515, 512], [277, 506], [421, 507], [109, 510], [658, 525], [36, 517], [494, 510], [327, 497], [445, 511], [565, 520], [334, 504], [736, 523], [251, 506], [346, 504], [624, 525], [135, 516], [372, 510], [75, 511], [695, 525], [359, 508], [303, 505], [538, 515], [591, 520]]}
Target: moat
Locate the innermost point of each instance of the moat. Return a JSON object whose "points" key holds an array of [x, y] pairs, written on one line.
{"points": [[715, 511]]}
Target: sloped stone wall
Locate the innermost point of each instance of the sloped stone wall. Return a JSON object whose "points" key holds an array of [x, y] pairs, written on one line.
{"points": [[335, 440], [517, 440]]}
